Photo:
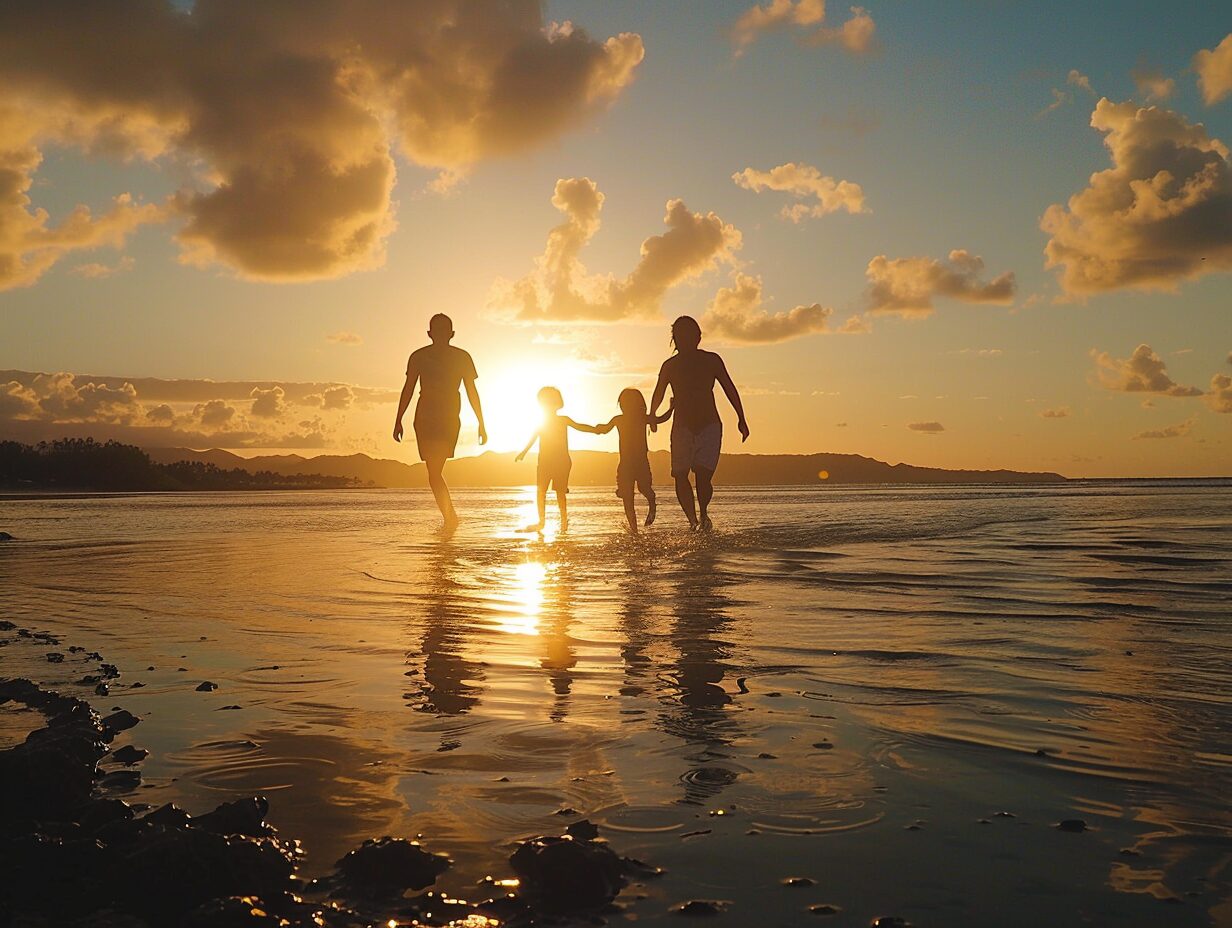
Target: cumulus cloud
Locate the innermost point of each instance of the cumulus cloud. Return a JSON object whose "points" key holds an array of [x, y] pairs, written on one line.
{"points": [[1060, 412], [197, 413], [805, 182], [1180, 430], [807, 19], [339, 397], [736, 314], [344, 338], [268, 403], [927, 427], [288, 115], [1142, 372], [1160, 215], [855, 325], [1219, 396], [1214, 68], [908, 286], [1152, 84], [560, 289]]}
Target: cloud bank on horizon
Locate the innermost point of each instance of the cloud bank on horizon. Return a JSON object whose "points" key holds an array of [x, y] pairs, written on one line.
{"points": [[287, 116]]}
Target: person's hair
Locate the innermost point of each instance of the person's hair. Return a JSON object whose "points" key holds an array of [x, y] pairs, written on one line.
{"points": [[631, 400], [550, 398], [685, 329], [440, 323]]}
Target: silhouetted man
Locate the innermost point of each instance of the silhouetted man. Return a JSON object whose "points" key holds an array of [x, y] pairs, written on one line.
{"points": [[697, 430], [440, 369]]}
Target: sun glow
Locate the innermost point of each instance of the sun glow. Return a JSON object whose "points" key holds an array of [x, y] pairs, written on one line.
{"points": [[512, 411]]}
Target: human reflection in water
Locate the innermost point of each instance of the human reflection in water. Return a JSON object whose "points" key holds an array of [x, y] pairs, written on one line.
{"points": [[558, 657], [446, 682], [699, 707]]}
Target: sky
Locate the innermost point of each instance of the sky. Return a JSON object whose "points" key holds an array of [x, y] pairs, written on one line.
{"points": [[952, 234]]}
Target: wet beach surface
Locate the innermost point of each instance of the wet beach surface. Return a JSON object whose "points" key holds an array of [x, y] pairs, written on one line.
{"points": [[894, 696]]}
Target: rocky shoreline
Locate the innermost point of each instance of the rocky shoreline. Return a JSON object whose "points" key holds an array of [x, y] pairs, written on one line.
{"points": [[73, 855]]}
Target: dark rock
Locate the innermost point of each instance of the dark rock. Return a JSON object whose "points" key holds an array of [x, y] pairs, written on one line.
{"points": [[167, 816], [824, 908], [1072, 825], [799, 881], [120, 781], [119, 721], [101, 813], [102, 689], [389, 866], [138, 685], [130, 755], [206, 687], [583, 830], [109, 671], [169, 872], [49, 774], [823, 745], [890, 921], [766, 755], [227, 708], [55, 657], [5, 536], [701, 908], [241, 817], [233, 912], [564, 874]]}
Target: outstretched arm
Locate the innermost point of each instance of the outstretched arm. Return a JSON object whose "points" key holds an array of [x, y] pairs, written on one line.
{"points": [[582, 427], [667, 414], [660, 391], [408, 390], [733, 397], [530, 444], [472, 394]]}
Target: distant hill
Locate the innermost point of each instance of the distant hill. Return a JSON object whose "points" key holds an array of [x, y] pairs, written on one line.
{"points": [[598, 468]]}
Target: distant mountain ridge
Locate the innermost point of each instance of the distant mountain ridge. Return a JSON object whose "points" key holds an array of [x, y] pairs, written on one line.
{"points": [[598, 468]]}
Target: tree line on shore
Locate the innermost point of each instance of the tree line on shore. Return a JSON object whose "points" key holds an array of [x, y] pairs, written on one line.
{"points": [[85, 464]]}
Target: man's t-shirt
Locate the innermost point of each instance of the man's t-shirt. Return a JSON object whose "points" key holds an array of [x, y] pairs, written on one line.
{"points": [[691, 375], [441, 370]]}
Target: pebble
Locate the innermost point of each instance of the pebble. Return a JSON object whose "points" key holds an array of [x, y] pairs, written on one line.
{"points": [[206, 686], [129, 754], [701, 908], [1072, 824], [799, 881], [824, 908]]}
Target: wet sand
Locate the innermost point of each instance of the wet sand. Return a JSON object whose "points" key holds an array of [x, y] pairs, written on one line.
{"points": [[849, 697]]}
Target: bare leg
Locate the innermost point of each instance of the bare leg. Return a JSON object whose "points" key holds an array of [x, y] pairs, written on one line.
{"points": [[563, 502], [631, 513], [684, 495], [440, 490], [652, 504], [705, 491]]}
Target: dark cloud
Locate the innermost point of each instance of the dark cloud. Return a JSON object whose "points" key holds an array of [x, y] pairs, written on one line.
{"points": [[268, 404], [926, 427]]}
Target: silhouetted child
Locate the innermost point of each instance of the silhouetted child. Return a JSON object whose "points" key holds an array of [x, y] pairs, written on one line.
{"points": [[633, 471], [554, 461]]}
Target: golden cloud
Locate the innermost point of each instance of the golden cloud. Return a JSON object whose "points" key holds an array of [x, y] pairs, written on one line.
{"points": [[560, 289], [908, 286], [807, 19], [736, 314], [1180, 430], [287, 113], [1214, 67], [1161, 214], [1142, 372], [804, 181]]}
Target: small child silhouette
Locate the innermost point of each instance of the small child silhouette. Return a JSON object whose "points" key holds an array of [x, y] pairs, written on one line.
{"points": [[554, 461], [633, 471]]}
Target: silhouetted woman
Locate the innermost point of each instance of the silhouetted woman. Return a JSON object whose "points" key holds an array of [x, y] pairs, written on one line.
{"points": [[697, 430]]}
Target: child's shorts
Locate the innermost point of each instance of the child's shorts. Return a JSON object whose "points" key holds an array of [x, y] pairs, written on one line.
{"points": [[554, 475], [634, 475]]}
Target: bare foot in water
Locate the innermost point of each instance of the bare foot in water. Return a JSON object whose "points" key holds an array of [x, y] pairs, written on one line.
{"points": [[650, 514], [537, 527], [706, 525], [564, 524]]}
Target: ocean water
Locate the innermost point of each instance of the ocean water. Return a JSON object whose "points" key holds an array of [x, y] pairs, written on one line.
{"points": [[848, 685]]}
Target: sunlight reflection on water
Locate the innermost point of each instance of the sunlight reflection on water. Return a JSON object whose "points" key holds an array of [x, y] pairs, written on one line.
{"points": [[850, 680]]}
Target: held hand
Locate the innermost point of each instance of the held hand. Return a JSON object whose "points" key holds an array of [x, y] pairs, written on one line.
{"points": [[483, 434], [654, 426], [519, 457], [398, 431], [744, 430]]}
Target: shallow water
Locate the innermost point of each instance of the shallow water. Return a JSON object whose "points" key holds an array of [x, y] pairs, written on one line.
{"points": [[786, 697]]}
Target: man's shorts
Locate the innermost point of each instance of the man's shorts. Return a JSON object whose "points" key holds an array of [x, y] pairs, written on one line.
{"points": [[634, 475], [692, 450], [436, 432]]}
